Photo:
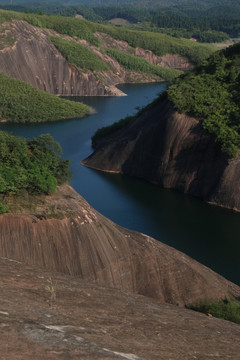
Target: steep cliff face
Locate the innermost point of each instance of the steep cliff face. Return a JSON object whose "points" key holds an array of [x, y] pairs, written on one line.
{"points": [[34, 59], [81, 242], [174, 151], [27, 54], [88, 321]]}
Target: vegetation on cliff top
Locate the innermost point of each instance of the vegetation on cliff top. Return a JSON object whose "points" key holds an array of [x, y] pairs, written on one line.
{"points": [[225, 309], [210, 21], [22, 103], [136, 63], [210, 93], [160, 44], [78, 55], [33, 165]]}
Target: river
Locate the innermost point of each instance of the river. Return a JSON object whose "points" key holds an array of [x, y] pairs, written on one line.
{"points": [[207, 233]]}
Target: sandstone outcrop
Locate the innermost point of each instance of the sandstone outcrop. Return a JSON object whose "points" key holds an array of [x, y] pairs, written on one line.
{"points": [[174, 151], [34, 59], [88, 321], [65, 234]]}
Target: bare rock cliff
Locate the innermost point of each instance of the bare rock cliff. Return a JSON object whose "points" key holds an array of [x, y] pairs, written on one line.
{"points": [[81, 242], [34, 59], [174, 151]]}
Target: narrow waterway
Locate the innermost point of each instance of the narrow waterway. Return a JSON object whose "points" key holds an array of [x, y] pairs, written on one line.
{"points": [[206, 233]]}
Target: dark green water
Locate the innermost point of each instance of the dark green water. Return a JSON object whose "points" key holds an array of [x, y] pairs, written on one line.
{"points": [[209, 234]]}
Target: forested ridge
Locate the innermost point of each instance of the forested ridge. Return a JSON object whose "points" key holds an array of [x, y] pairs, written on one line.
{"points": [[207, 21]]}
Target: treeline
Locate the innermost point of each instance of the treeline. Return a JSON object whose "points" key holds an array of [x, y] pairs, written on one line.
{"points": [[78, 55], [204, 17], [136, 63], [22, 103], [35, 166], [160, 44], [211, 93]]}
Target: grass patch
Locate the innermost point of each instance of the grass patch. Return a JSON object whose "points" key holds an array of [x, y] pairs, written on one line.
{"points": [[6, 40], [225, 309], [78, 55], [136, 63], [159, 44], [22, 103]]}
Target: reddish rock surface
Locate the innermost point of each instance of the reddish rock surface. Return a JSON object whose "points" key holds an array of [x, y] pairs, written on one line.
{"points": [[174, 61], [88, 321], [174, 151], [34, 59], [86, 244]]}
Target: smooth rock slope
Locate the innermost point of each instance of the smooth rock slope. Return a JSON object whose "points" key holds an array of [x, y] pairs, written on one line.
{"points": [[88, 321], [65, 234]]}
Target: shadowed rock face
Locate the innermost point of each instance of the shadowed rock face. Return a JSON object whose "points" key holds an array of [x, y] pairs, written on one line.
{"points": [[88, 321], [92, 247], [174, 151]]}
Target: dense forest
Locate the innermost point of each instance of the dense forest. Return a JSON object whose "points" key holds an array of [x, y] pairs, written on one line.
{"points": [[211, 94], [22, 103], [33, 165], [207, 21]]}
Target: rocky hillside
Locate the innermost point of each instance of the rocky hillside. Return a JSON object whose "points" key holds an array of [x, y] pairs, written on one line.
{"points": [[28, 53], [176, 149], [88, 321], [62, 233]]}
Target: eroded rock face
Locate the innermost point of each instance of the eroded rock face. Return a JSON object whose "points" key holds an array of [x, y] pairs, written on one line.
{"points": [[88, 321], [34, 59], [174, 151], [92, 247]]}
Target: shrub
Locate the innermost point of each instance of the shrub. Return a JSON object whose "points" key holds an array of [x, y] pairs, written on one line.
{"points": [[225, 309]]}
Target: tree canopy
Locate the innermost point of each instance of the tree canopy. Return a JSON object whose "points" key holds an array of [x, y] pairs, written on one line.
{"points": [[211, 94], [33, 165]]}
